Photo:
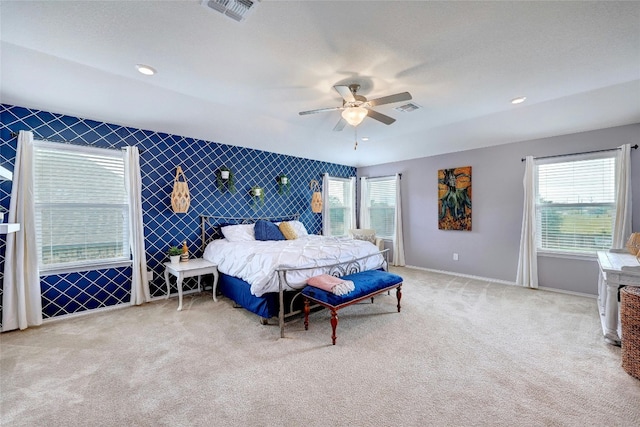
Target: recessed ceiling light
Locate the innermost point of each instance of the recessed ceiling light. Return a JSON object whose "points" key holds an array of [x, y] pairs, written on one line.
{"points": [[518, 100], [365, 138], [145, 69]]}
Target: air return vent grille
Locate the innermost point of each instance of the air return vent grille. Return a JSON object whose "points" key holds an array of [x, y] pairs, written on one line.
{"points": [[238, 10], [407, 108]]}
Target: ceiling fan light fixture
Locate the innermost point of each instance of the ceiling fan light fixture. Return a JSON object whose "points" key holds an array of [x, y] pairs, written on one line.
{"points": [[354, 115]]}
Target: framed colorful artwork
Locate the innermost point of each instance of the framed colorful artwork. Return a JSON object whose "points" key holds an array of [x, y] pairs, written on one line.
{"points": [[454, 199]]}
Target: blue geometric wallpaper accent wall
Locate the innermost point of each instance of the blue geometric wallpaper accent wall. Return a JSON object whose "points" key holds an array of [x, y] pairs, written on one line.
{"points": [[160, 154]]}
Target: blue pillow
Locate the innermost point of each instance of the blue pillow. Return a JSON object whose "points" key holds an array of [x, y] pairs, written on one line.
{"points": [[265, 230]]}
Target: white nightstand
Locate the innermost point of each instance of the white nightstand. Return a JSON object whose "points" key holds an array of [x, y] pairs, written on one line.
{"points": [[194, 267]]}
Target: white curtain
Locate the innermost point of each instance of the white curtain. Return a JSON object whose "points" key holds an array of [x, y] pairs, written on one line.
{"points": [[352, 212], [528, 259], [398, 241], [139, 283], [622, 224], [21, 298], [365, 221], [326, 222]]}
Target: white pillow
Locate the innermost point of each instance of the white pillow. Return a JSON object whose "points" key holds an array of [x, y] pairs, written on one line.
{"points": [[298, 227], [238, 233]]}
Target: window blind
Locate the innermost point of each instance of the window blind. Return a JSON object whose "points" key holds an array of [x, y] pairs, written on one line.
{"points": [[81, 206], [341, 205], [575, 204], [382, 206]]}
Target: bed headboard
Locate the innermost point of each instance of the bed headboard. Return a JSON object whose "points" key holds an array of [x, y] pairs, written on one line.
{"points": [[210, 224]]}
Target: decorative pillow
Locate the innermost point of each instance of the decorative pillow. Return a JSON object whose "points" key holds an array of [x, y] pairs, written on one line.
{"points": [[366, 237], [287, 230], [238, 233], [299, 228], [265, 230]]}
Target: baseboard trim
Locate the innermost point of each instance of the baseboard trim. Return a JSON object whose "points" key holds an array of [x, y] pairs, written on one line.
{"points": [[164, 297], [432, 270], [502, 282], [103, 309], [562, 291], [468, 276], [86, 312]]}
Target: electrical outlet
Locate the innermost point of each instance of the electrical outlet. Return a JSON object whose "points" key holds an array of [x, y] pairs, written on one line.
{"points": [[150, 275], [455, 256]]}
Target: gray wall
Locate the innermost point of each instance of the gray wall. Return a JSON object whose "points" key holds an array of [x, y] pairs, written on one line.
{"points": [[491, 249]]}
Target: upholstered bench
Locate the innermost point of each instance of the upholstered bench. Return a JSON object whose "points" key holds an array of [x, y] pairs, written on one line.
{"points": [[367, 285]]}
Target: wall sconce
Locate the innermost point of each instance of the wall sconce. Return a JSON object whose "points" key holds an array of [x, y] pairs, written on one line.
{"points": [[225, 180], [257, 197], [284, 184]]}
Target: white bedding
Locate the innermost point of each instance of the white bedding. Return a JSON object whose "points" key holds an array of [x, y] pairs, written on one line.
{"points": [[255, 262]]}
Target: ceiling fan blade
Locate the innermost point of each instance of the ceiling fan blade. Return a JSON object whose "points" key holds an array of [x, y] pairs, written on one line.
{"points": [[380, 117], [320, 110], [345, 93], [340, 125], [404, 96]]}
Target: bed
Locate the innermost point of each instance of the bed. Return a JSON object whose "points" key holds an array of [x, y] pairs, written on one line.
{"points": [[264, 275]]}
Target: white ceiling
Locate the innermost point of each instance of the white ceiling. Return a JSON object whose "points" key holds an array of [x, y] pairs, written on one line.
{"points": [[244, 83]]}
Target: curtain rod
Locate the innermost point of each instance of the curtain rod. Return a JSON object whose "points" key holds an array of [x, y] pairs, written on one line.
{"points": [[635, 147], [39, 137], [383, 176]]}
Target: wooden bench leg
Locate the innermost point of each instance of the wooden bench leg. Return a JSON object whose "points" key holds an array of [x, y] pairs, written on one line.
{"points": [[306, 314], [399, 296], [334, 324]]}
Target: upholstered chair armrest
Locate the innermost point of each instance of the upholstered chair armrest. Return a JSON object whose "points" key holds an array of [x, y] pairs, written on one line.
{"points": [[369, 235]]}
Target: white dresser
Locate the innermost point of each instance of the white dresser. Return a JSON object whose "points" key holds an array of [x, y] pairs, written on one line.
{"points": [[617, 267]]}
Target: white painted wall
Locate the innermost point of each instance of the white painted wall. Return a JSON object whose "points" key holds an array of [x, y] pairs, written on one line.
{"points": [[491, 248]]}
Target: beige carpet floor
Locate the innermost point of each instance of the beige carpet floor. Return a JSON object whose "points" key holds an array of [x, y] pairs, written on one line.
{"points": [[461, 353]]}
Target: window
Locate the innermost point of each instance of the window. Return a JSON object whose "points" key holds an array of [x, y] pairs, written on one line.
{"points": [[81, 206], [380, 204], [341, 205], [575, 203]]}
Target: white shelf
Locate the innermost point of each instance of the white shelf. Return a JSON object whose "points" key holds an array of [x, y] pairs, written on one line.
{"points": [[9, 228], [5, 174]]}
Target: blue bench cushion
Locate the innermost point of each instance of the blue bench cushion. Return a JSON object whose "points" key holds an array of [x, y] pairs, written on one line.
{"points": [[365, 282]]}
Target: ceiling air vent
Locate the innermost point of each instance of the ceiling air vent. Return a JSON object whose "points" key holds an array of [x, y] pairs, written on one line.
{"points": [[407, 108], [238, 10]]}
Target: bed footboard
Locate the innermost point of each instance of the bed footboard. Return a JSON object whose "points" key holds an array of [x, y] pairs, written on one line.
{"points": [[338, 270]]}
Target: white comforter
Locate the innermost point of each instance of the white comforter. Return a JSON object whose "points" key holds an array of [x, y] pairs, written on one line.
{"points": [[255, 262]]}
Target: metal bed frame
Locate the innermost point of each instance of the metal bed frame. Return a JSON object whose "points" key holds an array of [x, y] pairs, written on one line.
{"points": [[336, 269]]}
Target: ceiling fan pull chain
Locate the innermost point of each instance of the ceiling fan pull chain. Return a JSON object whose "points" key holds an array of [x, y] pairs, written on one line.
{"points": [[355, 131]]}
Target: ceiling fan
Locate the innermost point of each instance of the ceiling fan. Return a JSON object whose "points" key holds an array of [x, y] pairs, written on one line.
{"points": [[356, 107]]}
